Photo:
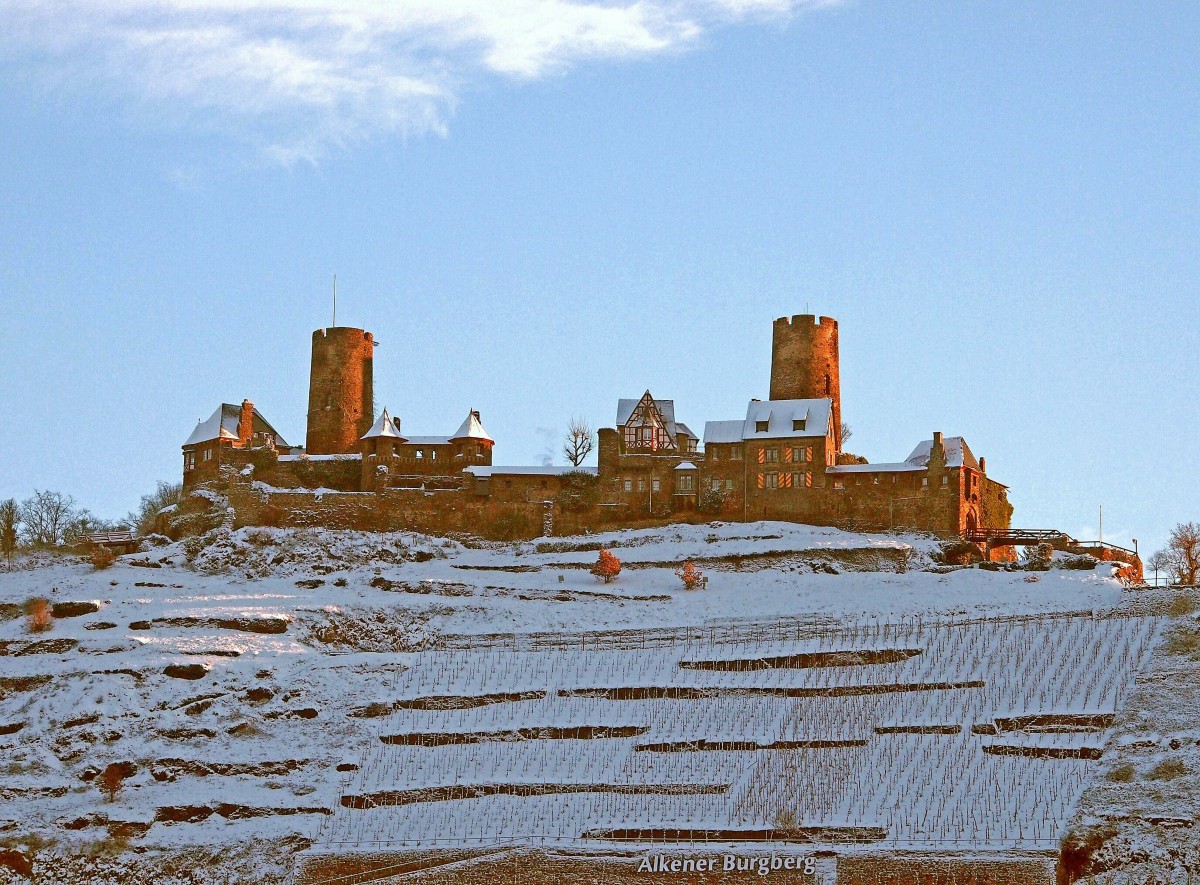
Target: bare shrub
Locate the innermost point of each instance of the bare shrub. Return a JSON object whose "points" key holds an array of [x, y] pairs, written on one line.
{"points": [[1181, 606], [39, 614], [1167, 770], [1122, 774], [1183, 640], [102, 557]]}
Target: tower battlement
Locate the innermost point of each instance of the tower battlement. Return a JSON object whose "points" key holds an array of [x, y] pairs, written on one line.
{"points": [[805, 362]]}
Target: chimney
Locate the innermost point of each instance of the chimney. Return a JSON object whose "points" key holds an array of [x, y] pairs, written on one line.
{"points": [[983, 466], [246, 424], [937, 439]]}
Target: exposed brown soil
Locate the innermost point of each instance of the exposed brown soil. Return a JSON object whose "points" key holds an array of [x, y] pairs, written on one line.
{"points": [[1044, 752], [446, 702], [807, 660], [1057, 722], [475, 791], [691, 692], [12, 684], [73, 609], [571, 733], [268, 625], [186, 671], [738, 746], [825, 835], [918, 729]]}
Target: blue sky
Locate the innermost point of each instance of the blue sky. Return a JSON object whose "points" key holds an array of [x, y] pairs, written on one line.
{"points": [[541, 206]]}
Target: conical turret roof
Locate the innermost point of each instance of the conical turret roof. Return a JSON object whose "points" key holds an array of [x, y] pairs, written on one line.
{"points": [[472, 428], [384, 427]]}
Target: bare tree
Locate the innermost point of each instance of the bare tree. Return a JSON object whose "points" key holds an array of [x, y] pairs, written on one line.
{"points": [[1181, 557], [145, 518], [10, 518], [46, 517], [847, 432], [578, 443]]}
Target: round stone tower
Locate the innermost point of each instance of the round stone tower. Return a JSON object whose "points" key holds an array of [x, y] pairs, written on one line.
{"points": [[804, 363], [341, 402]]}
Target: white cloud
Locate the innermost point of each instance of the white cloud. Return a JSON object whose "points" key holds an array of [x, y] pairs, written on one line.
{"points": [[298, 76]]}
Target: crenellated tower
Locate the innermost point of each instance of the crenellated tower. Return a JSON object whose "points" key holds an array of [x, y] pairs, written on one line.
{"points": [[341, 405], [804, 363]]}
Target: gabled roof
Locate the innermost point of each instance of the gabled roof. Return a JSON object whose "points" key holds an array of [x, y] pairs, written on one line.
{"points": [[472, 428], [958, 453], [782, 416], [666, 408], [680, 427], [723, 431], [223, 424], [385, 427], [685, 465]]}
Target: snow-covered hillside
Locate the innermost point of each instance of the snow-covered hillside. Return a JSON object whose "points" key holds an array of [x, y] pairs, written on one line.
{"points": [[244, 683]]}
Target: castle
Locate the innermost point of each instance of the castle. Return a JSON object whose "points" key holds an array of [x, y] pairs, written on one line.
{"points": [[782, 460]]}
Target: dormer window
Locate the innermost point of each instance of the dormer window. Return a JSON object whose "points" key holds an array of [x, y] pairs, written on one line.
{"points": [[798, 424], [761, 426]]}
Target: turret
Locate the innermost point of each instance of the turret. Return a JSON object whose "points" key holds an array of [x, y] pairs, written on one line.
{"points": [[805, 364]]}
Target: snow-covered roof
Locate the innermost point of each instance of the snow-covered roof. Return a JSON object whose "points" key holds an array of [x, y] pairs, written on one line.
{"points": [[223, 424], [680, 427], [427, 440], [544, 470], [958, 453], [723, 431], [472, 428], [685, 465], [385, 427], [889, 467], [787, 418]]}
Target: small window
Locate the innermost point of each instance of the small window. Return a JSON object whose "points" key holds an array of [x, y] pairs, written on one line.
{"points": [[686, 483], [772, 480], [924, 482], [945, 480], [761, 426], [433, 454], [654, 486], [772, 455], [875, 479], [735, 453], [641, 485], [797, 424], [716, 453], [839, 484], [629, 485], [716, 485], [729, 485], [420, 455], [207, 455], [189, 460]]}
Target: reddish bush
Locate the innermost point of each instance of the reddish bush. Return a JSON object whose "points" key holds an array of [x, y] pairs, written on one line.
{"points": [[111, 780], [607, 567], [102, 557], [691, 576], [39, 615]]}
